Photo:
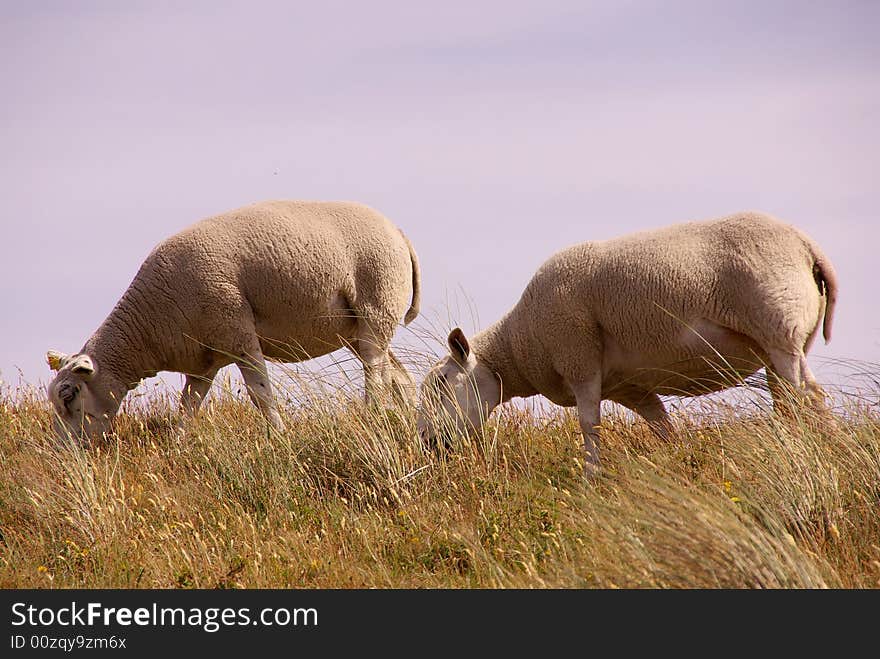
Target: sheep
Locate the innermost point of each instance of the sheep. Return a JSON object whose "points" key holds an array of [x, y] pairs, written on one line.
{"points": [[280, 280], [684, 310]]}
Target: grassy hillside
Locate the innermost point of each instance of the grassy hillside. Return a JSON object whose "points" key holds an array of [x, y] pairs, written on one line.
{"points": [[347, 498]]}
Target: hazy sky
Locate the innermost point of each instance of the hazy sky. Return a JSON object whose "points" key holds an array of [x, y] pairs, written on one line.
{"points": [[493, 133]]}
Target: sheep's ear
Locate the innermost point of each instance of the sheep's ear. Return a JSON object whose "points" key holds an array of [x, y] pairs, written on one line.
{"points": [[459, 346], [82, 365], [55, 359]]}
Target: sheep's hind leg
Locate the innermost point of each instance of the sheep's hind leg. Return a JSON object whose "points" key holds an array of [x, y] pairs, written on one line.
{"points": [[819, 399], [814, 389], [403, 387], [373, 353], [256, 378], [792, 382], [376, 371], [588, 395], [789, 377]]}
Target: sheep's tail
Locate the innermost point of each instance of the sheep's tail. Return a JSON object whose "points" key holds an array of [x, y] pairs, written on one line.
{"points": [[416, 283], [826, 280]]}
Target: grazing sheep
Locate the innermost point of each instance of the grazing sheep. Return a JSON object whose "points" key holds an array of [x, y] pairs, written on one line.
{"points": [[285, 280], [685, 310]]}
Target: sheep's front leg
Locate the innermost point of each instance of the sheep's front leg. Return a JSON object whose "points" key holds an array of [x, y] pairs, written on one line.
{"points": [[194, 391], [652, 410], [256, 378], [647, 405], [588, 395]]}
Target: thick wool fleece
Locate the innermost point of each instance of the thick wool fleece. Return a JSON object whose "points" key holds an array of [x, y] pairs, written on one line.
{"points": [[664, 312]]}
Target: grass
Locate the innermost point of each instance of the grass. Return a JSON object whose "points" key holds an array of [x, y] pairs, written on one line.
{"points": [[347, 497]]}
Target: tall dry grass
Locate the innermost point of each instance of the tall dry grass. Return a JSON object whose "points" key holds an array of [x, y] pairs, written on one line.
{"points": [[347, 497]]}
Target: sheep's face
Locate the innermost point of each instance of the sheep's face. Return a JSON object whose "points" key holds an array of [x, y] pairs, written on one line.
{"points": [[457, 394], [81, 408]]}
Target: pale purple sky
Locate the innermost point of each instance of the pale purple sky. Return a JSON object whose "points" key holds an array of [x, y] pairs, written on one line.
{"points": [[493, 133]]}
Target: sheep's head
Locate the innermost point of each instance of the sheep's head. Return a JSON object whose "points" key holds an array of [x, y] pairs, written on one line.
{"points": [[82, 406], [457, 394]]}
